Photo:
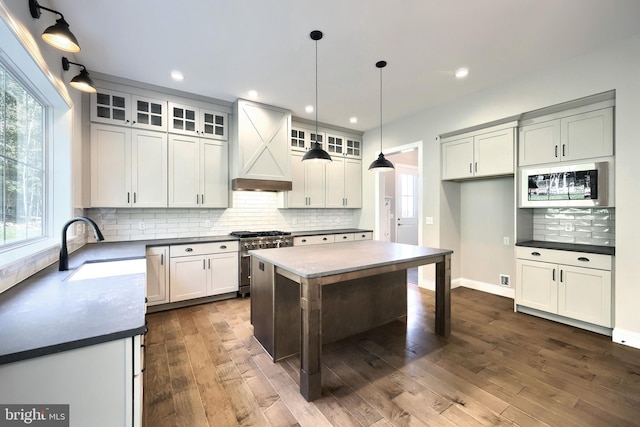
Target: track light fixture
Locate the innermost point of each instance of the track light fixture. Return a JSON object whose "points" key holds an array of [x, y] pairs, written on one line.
{"points": [[82, 81], [57, 35], [316, 153], [381, 164]]}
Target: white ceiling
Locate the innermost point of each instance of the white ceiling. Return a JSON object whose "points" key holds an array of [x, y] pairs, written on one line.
{"points": [[224, 48]]}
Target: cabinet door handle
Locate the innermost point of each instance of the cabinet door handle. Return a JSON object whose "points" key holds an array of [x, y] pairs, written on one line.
{"points": [[344, 237], [209, 263], [188, 250], [135, 197], [223, 246], [561, 276], [470, 167], [197, 199], [202, 199], [204, 264], [304, 240], [555, 151], [161, 259], [563, 150], [553, 276], [128, 197], [324, 239], [535, 253], [583, 259], [476, 167]]}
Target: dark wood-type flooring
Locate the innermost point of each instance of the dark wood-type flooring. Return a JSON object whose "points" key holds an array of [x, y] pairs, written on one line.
{"points": [[203, 368]]}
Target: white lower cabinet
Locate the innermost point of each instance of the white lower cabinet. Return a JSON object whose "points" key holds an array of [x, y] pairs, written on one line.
{"points": [[202, 269], [157, 275], [574, 285], [320, 239], [101, 383]]}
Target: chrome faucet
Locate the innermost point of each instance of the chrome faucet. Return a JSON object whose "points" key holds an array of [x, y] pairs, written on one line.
{"points": [[64, 256]]}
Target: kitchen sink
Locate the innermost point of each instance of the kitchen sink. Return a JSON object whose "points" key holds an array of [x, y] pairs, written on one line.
{"points": [[95, 270]]}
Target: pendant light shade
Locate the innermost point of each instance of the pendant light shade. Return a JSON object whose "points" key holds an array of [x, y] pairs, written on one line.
{"points": [[381, 164], [316, 153], [82, 81], [58, 35]]}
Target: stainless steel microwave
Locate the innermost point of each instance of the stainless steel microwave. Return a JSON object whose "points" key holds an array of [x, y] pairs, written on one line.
{"points": [[580, 185]]}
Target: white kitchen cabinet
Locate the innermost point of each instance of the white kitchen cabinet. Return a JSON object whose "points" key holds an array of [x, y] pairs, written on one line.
{"points": [[197, 121], [128, 167], [335, 145], [124, 109], [344, 183], [101, 383], [479, 154], [260, 149], [302, 138], [583, 135], [353, 147], [308, 183], [203, 269], [574, 285], [157, 258], [198, 172]]}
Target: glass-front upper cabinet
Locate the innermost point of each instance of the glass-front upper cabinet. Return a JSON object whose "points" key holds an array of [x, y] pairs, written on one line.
{"points": [[124, 109], [354, 148], [335, 144], [195, 121]]}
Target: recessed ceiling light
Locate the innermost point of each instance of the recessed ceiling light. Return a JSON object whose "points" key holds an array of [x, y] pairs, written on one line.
{"points": [[353, 120], [253, 94], [309, 108], [461, 73], [177, 76]]}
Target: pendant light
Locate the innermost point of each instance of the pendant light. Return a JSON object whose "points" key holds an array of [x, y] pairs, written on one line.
{"points": [[82, 81], [57, 35], [316, 153], [381, 164]]}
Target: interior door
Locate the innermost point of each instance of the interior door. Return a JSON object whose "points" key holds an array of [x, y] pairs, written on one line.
{"points": [[407, 204]]}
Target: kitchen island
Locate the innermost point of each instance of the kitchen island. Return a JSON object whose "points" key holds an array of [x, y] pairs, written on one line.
{"points": [[305, 296]]}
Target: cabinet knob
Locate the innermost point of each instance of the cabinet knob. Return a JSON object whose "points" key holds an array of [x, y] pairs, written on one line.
{"points": [[188, 250], [223, 247], [304, 240], [324, 238], [535, 253], [583, 259]]}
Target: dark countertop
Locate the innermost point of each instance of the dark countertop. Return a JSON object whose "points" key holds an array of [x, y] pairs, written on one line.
{"points": [[591, 249], [336, 231], [45, 314]]}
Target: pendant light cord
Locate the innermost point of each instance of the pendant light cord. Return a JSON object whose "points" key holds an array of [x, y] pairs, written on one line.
{"points": [[316, 139], [380, 110]]}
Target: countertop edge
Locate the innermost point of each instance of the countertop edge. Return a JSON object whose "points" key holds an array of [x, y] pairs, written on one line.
{"points": [[70, 345]]}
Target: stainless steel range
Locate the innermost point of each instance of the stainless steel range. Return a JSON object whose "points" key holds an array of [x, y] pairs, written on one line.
{"points": [[250, 240]]}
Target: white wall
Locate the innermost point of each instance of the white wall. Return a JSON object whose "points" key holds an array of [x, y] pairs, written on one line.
{"points": [[616, 67]]}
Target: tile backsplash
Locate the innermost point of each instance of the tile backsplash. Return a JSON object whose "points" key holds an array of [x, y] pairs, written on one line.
{"points": [[255, 211], [586, 226]]}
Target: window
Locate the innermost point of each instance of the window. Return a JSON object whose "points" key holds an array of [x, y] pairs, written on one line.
{"points": [[22, 152], [407, 195]]}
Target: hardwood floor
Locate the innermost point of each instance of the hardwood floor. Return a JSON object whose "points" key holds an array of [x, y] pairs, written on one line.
{"points": [[203, 368]]}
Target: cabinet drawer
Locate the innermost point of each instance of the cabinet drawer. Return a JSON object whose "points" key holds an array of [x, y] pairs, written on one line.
{"points": [[313, 240], [366, 235], [579, 259], [203, 248], [348, 237]]}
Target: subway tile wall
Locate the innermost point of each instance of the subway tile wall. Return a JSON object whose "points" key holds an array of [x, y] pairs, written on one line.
{"points": [[255, 211], [586, 226]]}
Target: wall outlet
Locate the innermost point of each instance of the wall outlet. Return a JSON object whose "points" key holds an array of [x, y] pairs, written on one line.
{"points": [[337, 219], [80, 228], [295, 221], [505, 279], [428, 220], [568, 227], [506, 241], [141, 225], [207, 223]]}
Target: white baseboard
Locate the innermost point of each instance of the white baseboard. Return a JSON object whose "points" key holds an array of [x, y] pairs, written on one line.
{"points": [[630, 338], [504, 291]]}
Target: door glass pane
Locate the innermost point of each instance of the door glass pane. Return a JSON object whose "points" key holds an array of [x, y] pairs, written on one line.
{"points": [[143, 118], [143, 106], [407, 189], [118, 114], [178, 124], [103, 99], [156, 120], [156, 108], [220, 120], [178, 112], [190, 114], [104, 112], [118, 101]]}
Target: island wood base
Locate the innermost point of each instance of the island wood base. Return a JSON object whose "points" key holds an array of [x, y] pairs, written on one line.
{"points": [[298, 302]]}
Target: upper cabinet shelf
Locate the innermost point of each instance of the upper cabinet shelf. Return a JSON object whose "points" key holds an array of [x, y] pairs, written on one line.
{"points": [[573, 135], [482, 153]]}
